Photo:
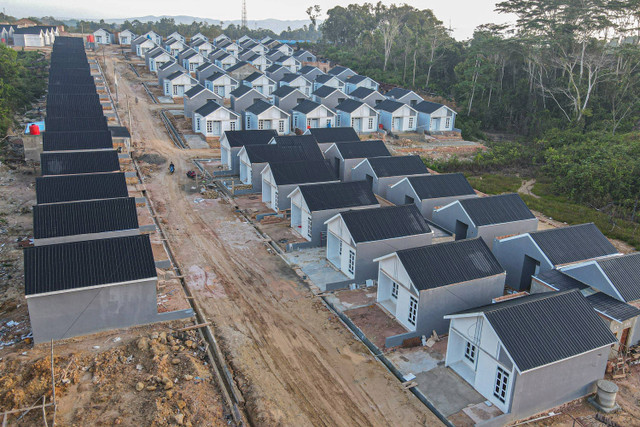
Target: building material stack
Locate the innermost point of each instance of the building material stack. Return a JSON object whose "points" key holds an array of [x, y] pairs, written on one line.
{"points": [[90, 268]]}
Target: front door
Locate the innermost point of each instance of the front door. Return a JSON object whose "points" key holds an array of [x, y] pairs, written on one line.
{"points": [[336, 165], [461, 230], [216, 128], [314, 123], [530, 266], [357, 125], [397, 124], [624, 338]]}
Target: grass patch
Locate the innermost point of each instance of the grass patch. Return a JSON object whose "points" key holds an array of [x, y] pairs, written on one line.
{"points": [[495, 184], [561, 209]]}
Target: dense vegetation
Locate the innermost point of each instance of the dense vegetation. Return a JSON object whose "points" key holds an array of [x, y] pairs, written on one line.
{"points": [[22, 80]]}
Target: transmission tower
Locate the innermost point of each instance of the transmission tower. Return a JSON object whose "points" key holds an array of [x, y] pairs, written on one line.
{"points": [[244, 13]]}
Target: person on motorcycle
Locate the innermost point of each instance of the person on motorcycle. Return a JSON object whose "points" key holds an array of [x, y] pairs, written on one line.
{"points": [[172, 168]]}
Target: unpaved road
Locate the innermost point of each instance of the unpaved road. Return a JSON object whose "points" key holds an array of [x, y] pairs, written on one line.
{"points": [[295, 363]]}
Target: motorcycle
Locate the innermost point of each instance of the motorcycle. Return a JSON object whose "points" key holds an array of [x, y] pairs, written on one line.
{"points": [[172, 168], [191, 174]]}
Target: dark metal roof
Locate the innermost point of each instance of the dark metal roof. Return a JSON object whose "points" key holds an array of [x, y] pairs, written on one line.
{"points": [[397, 93], [208, 108], [285, 90], [239, 65], [76, 265], [324, 91], [175, 75], [433, 266], [240, 138], [294, 139], [170, 64], [72, 89], [289, 77], [624, 274], [349, 105], [390, 105], [560, 281], [573, 243], [307, 68], [119, 132], [356, 78], [306, 106], [84, 140], [337, 134], [496, 209], [254, 76], [302, 172], [75, 124], [273, 68], [323, 78], [259, 107], [397, 166], [79, 162], [195, 91], [540, 329], [97, 216], [69, 188], [368, 225], [241, 91], [338, 69], [442, 185], [612, 308], [363, 92], [284, 152], [427, 107], [339, 195], [362, 149]]}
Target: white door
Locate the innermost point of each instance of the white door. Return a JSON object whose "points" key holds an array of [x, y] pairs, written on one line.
{"points": [[397, 123], [357, 125], [216, 128]]}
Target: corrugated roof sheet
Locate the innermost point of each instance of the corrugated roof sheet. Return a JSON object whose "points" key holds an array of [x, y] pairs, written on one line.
{"points": [[367, 225], [97, 216], [75, 124], [294, 139], [349, 105], [441, 185], [390, 105], [335, 134], [624, 273], [68, 188], [283, 91], [339, 195], [259, 107], [76, 265], [306, 106], [496, 209], [540, 329], [433, 266], [573, 243], [286, 152], [84, 140], [240, 138], [79, 162], [612, 308], [302, 172], [363, 92], [559, 280], [362, 149], [397, 166], [427, 107], [324, 91]]}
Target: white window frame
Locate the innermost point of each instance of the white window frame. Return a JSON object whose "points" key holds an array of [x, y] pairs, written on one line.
{"points": [[328, 122], [339, 247], [295, 121], [501, 385], [232, 125], [351, 266], [394, 290], [275, 200], [370, 122], [209, 127], [447, 122], [413, 310], [470, 352], [353, 121], [410, 122], [260, 124], [309, 226], [175, 90], [281, 126]]}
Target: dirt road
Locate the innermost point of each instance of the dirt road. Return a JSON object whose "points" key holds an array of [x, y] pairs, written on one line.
{"points": [[295, 363]]}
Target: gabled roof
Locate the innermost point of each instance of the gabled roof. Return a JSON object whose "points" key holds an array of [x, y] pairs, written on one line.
{"points": [[304, 150], [260, 106], [75, 218], [175, 75], [624, 274], [215, 76], [323, 78], [612, 308], [337, 134], [324, 91], [255, 76], [283, 91], [541, 329], [169, 64], [574, 243], [294, 139], [357, 78], [241, 91], [448, 263], [81, 140], [559, 280], [349, 105], [91, 186], [368, 225], [390, 105], [240, 138], [397, 166], [69, 266], [442, 185], [274, 67], [238, 65], [301, 172], [363, 92], [338, 69], [65, 163], [496, 209], [362, 149], [339, 195], [398, 92], [306, 106], [28, 30], [289, 77], [428, 107], [307, 68], [195, 91], [208, 108]]}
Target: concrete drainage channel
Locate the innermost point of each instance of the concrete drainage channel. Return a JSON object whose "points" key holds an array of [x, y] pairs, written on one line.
{"points": [[373, 349], [151, 95], [133, 68], [176, 136]]}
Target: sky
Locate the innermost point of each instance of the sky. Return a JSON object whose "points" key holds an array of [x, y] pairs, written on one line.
{"points": [[462, 15]]}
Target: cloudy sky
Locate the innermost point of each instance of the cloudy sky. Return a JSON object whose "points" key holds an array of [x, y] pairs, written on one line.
{"points": [[463, 15]]}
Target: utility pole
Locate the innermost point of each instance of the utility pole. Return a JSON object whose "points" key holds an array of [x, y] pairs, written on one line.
{"points": [[244, 13]]}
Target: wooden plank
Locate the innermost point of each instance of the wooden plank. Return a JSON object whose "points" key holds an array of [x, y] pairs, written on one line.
{"points": [[188, 328]]}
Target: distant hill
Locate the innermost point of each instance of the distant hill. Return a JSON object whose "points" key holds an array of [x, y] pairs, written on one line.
{"points": [[275, 25]]}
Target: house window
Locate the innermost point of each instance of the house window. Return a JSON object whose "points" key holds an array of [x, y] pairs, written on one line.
{"points": [[281, 126], [340, 247], [175, 90], [353, 122], [275, 201], [410, 122], [413, 310], [248, 122], [447, 122], [338, 120], [308, 123], [470, 352], [198, 124], [352, 262], [295, 121], [260, 124], [209, 126], [309, 223], [328, 123], [232, 125], [216, 90], [502, 382], [167, 87], [394, 290], [370, 123]]}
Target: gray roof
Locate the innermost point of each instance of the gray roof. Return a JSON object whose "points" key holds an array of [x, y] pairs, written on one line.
{"points": [[368, 225], [289, 77], [334, 134], [363, 92], [356, 78], [238, 65], [348, 105], [339, 195], [274, 67], [302, 172], [338, 69], [68, 163], [307, 68], [240, 138], [398, 92], [208, 108], [496, 209], [284, 152], [323, 78], [545, 328], [259, 107], [559, 280], [433, 266], [324, 91], [90, 186], [195, 90], [574, 243], [294, 139], [283, 91], [441, 185], [624, 274], [362, 149], [397, 166], [254, 76], [175, 75], [240, 91], [306, 106], [389, 105], [169, 64], [612, 308], [427, 107]]}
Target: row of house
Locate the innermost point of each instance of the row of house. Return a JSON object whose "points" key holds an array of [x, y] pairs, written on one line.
{"points": [[532, 316], [34, 36], [91, 266]]}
